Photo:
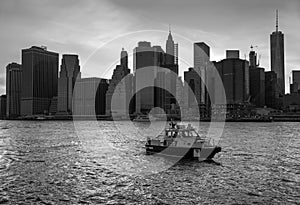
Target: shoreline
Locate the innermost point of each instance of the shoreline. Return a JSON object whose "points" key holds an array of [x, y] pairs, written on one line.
{"points": [[88, 118]]}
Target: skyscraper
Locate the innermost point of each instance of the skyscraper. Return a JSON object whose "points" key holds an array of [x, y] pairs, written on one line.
{"points": [[257, 86], [89, 97], [257, 81], [13, 89], [171, 63], [192, 79], [252, 58], [100, 104], [122, 95], [201, 59], [170, 50], [39, 80], [69, 71], [277, 56], [171, 79], [147, 58], [167, 77], [234, 73], [271, 93]]}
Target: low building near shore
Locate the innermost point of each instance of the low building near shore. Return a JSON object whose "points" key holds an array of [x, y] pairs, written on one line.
{"points": [[291, 102], [2, 106]]}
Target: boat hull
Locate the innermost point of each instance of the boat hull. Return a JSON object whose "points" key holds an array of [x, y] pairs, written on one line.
{"points": [[205, 153]]}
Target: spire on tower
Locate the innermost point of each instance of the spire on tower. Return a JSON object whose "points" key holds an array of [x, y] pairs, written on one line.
{"points": [[170, 34], [276, 20]]}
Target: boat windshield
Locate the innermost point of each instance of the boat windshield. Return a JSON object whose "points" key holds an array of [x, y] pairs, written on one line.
{"points": [[188, 133]]}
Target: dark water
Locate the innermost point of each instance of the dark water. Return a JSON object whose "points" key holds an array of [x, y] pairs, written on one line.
{"points": [[52, 163]]}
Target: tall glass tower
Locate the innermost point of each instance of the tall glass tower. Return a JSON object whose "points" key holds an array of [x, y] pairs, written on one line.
{"points": [[277, 56]]}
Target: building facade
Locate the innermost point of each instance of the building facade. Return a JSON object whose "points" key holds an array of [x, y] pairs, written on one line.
{"points": [[166, 89], [234, 73], [120, 86], [39, 80], [291, 102], [277, 57], [296, 81], [89, 97], [201, 61], [13, 89], [69, 72], [271, 90], [149, 59], [257, 86], [193, 80], [3, 107], [257, 81]]}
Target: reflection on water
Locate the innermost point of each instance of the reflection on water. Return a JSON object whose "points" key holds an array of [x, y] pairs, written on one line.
{"points": [[53, 163]]}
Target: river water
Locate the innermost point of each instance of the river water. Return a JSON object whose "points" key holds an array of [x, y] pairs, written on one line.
{"points": [[59, 162]]}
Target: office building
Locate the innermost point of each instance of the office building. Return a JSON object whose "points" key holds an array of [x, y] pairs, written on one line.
{"points": [[291, 102], [192, 79], [3, 107], [146, 61], [296, 81], [252, 59], [171, 83], [257, 86], [100, 106], [192, 96], [171, 51], [170, 77], [166, 89], [234, 73], [277, 57], [201, 60], [160, 70], [69, 72], [89, 98], [257, 81], [13, 89], [120, 87], [39, 80], [271, 90]]}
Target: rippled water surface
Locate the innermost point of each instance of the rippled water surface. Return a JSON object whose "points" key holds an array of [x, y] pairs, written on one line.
{"points": [[97, 163]]}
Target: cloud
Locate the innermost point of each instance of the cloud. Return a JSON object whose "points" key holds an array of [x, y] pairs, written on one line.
{"points": [[87, 27], [64, 26]]}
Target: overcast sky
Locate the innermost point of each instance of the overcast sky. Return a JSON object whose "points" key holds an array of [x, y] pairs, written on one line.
{"points": [[97, 30]]}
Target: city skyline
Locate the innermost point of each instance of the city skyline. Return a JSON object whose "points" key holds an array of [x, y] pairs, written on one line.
{"points": [[73, 31]]}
